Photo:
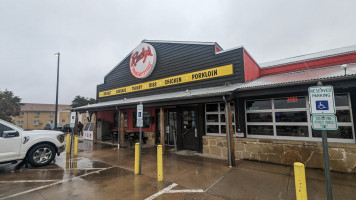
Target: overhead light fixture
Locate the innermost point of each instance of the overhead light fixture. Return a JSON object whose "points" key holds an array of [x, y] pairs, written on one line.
{"points": [[344, 66]]}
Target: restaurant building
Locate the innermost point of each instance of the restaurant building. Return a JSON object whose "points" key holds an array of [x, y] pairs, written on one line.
{"points": [[184, 88]]}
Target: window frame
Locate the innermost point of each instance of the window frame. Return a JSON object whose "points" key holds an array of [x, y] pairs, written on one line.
{"points": [[308, 123], [219, 123]]}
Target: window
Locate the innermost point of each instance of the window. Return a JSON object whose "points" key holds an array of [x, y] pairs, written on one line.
{"points": [[290, 118], [22, 113], [125, 119], [215, 118], [4, 128], [63, 120], [146, 119], [36, 122], [51, 114], [36, 113], [20, 123]]}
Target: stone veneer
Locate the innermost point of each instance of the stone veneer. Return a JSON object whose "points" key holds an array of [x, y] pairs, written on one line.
{"points": [[342, 156], [151, 140]]}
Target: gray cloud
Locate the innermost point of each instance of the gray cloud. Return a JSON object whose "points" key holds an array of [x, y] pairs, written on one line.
{"points": [[93, 36]]}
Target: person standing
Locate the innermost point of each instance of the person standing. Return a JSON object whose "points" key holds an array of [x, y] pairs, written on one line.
{"points": [[80, 129]]}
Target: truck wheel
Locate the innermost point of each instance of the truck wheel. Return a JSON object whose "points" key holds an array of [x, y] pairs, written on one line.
{"points": [[41, 155]]}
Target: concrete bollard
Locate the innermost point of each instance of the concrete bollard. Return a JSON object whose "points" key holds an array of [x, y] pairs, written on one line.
{"points": [[68, 144], [300, 182], [137, 158], [75, 145], [159, 163]]}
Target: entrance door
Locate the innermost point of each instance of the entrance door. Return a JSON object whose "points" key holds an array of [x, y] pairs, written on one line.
{"points": [[189, 129], [170, 137], [171, 128]]}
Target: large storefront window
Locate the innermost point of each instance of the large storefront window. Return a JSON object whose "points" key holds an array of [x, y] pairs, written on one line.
{"points": [[290, 118], [215, 118]]}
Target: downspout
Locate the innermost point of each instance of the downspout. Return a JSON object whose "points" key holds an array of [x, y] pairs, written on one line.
{"points": [[228, 131], [118, 127]]}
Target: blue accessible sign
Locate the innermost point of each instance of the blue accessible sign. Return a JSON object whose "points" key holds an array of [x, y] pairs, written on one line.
{"points": [[322, 105], [321, 99]]}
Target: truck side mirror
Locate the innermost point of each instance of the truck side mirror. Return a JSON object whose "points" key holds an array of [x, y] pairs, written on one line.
{"points": [[10, 134]]}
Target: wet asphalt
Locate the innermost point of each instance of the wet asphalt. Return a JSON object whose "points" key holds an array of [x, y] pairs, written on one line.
{"points": [[101, 171]]}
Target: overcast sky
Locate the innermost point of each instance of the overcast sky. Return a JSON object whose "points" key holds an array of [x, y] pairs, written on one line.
{"points": [[94, 36]]}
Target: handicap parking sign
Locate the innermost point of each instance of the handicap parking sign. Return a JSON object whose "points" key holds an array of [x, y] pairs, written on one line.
{"points": [[321, 100], [322, 105]]}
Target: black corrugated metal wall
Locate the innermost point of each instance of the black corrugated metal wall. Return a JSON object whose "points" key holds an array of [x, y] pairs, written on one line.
{"points": [[176, 59]]}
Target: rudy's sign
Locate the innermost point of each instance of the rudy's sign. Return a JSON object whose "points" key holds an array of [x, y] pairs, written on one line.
{"points": [[173, 80], [143, 60]]}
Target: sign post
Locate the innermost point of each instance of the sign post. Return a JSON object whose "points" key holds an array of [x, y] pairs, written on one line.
{"points": [[139, 123], [322, 108], [73, 116]]}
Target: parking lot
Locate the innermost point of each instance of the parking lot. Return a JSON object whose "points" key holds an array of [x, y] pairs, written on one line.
{"points": [[102, 172]]}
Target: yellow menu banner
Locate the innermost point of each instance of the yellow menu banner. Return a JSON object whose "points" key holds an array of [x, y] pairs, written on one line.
{"points": [[174, 80]]}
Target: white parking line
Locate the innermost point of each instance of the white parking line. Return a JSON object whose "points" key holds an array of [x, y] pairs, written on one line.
{"points": [[56, 183], [61, 169], [29, 181], [185, 191], [214, 183], [162, 191], [169, 190]]}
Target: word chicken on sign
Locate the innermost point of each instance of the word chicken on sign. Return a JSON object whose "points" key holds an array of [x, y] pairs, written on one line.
{"points": [[142, 60]]}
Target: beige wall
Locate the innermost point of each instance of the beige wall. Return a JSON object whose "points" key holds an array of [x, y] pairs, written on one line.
{"points": [[64, 117], [44, 117], [342, 156]]}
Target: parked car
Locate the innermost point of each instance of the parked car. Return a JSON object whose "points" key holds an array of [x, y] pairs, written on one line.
{"points": [[38, 147], [51, 127], [66, 128]]}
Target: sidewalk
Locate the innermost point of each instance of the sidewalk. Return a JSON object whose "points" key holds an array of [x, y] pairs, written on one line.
{"points": [[253, 180], [248, 180]]}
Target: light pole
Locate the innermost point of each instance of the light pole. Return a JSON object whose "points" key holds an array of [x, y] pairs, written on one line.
{"points": [[55, 118]]}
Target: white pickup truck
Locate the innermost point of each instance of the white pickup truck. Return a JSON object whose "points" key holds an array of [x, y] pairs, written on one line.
{"points": [[38, 147]]}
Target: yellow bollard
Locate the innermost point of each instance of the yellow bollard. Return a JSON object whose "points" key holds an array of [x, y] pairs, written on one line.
{"points": [[300, 183], [68, 144], [159, 163], [137, 158], [75, 145]]}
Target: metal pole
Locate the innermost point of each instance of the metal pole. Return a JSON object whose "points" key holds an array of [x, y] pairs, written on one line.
{"points": [[228, 131], [55, 118], [119, 130], [140, 145], [327, 165]]}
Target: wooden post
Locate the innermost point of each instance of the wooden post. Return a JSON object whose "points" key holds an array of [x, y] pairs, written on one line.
{"points": [[232, 141], [162, 128], [122, 133], [94, 130]]}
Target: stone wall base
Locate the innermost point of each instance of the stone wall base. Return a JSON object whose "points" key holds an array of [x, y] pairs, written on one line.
{"points": [[151, 137], [342, 156]]}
